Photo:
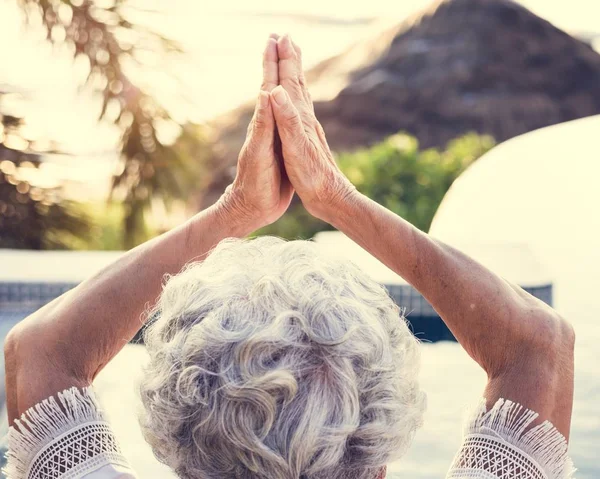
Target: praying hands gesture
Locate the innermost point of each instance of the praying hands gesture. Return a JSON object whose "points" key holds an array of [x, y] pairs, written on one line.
{"points": [[268, 175]]}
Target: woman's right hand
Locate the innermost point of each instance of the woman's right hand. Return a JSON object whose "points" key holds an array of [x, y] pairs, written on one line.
{"points": [[309, 164]]}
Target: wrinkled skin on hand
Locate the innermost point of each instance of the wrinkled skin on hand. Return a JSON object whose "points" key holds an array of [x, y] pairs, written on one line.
{"points": [[309, 164], [261, 191]]}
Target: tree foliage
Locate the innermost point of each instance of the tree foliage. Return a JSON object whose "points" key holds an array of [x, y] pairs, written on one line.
{"points": [[398, 175], [101, 36], [31, 217]]}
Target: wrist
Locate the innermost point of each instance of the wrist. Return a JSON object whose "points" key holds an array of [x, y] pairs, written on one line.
{"points": [[336, 205], [234, 216]]}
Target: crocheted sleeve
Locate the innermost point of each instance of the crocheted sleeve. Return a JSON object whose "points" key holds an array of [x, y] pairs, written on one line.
{"points": [[66, 437], [501, 444]]}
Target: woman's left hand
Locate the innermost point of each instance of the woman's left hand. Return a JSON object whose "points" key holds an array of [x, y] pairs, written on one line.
{"points": [[261, 191]]}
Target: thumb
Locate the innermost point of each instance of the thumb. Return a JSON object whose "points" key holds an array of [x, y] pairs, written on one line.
{"points": [[289, 123], [262, 127], [263, 115]]}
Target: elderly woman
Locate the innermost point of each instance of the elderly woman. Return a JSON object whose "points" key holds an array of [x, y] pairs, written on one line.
{"points": [[269, 360]]}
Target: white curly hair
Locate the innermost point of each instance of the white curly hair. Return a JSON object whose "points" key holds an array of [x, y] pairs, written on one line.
{"points": [[271, 360]]}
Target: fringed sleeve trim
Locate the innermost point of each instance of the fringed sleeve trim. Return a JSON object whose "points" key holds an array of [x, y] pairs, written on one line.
{"points": [[73, 422], [503, 443]]}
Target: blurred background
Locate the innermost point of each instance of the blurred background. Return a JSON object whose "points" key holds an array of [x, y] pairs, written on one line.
{"points": [[119, 119], [122, 118]]}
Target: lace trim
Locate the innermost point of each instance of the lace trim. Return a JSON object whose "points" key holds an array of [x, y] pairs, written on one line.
{"points": [[61, 439], [501, 444]]}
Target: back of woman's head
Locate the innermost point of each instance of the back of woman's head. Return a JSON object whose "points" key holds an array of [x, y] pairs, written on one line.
{"points": [[270, 360]]}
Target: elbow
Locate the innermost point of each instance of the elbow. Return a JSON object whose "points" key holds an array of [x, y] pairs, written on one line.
{"points": [[11, 345], [568, 334], [22, 351], [12, 365], [550, 339], [541, 339], [12, 348], [555, 333]]}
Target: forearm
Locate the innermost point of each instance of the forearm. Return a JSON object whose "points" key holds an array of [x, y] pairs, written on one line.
{"points": [[486, 314], [70, 340], [524, 346]]}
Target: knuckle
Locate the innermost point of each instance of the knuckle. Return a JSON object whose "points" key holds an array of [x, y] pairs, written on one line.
{"points": [[307, 122], [319, 128], [294, 89], [302, 80], [249, 151], [294, 119], [267, 85], [297, 50], [260, 123], [292, 81], [245, 151]]}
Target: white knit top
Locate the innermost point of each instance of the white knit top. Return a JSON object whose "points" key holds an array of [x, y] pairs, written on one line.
{"points": [[68, 437]]}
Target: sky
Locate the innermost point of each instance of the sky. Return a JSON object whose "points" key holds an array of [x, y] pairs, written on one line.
{"points": [[224, 42]]}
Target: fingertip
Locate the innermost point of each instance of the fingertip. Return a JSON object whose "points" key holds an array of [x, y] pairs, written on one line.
{"points": [[285, 47], [274, 36], [270, 53]]}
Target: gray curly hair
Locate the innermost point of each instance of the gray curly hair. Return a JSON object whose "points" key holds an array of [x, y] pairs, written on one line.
{"points": [[270, 360]]}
